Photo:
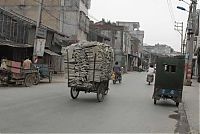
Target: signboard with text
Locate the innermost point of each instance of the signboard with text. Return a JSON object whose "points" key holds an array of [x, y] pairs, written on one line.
{"points": [[40, 46]]}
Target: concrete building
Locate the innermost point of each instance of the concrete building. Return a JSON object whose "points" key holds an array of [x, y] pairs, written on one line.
{"points": [[161, 49], [67, 16], [119, 40], [17, 35], [75, 20], [30, 8], [135, 56], [196, 58]]}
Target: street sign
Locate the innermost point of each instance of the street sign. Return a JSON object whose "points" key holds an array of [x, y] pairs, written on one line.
{"points": [[41, 33], [39, 47]]}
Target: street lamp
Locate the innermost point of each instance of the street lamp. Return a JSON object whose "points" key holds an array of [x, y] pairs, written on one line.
{"points": [[182, 8], [190, 40]]}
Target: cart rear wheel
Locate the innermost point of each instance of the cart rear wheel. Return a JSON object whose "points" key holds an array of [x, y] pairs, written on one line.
{"points": [[28, 81], [177, 104], [100, 93], [74, 93], [155, 101], [50, 77]]}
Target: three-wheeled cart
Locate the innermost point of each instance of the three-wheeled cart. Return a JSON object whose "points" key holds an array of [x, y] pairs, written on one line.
{"points": [[15, 74], [27, 77], [169, 79], [89, 67], [100, 88], [44, 71]]}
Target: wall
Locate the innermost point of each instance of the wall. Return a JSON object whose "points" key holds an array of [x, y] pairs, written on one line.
{"points": [[29, 8]]}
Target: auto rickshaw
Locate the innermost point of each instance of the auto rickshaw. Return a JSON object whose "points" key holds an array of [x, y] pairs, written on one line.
{"points": [[169, 79]]}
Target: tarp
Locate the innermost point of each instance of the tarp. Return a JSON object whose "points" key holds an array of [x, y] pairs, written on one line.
{"points": [[50, 52]]}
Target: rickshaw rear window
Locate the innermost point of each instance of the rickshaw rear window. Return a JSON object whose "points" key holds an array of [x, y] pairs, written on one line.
{"points": [[170, 68]]}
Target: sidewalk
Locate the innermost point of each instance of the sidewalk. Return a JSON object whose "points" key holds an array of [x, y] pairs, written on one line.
{"points": [[191, 106], [59, 78]]}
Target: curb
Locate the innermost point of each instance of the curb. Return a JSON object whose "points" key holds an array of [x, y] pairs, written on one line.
{"points": [[183, 124]]}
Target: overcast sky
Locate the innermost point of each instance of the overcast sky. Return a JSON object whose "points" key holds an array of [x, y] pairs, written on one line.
{"points": [[156, 17]]}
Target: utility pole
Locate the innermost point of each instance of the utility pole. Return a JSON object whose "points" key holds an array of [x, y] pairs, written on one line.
{"points": [[190, 42], [35, 54], [179, 27]]}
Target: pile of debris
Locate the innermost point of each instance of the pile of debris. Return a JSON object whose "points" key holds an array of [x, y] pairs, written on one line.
{"points": [[89, 62]]}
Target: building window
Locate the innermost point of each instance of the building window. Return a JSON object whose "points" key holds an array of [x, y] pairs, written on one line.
{"points": [[67, 2]]}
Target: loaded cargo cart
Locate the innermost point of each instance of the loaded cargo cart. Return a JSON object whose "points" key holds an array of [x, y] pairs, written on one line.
{"points": [[13, 73], [169, 79], [89, 68]]}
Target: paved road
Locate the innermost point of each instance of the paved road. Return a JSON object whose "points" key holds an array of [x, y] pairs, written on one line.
{"points": [[128, 108]]}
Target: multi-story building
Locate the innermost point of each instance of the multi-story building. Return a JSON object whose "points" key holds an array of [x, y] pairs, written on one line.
{"points": [[119, 40], [75, 20], [196, 58], [17, 35], [30, 9], [67, 16], [136, 45], [161, 49]]}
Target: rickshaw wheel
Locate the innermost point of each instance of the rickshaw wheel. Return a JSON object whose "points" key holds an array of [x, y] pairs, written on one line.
{"points": [[155, 101], [50, 77], [28, 81], [100, 93], [177, 104], [114, 82], [74, 93], [106, 92], [36, 79]]}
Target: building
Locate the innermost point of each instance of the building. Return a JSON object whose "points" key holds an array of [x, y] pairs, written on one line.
{"points": [[95, 35], [135, 55], [161, 49], [17, 35], [196, 58], [119, 40], [69, 17], [29, 8], [75, 18], [151, 53]]}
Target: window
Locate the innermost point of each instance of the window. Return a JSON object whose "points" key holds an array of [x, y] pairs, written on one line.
{"points": [[170, 68]]}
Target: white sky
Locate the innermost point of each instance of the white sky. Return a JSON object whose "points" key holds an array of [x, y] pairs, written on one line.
{"points": [[153, 15]]}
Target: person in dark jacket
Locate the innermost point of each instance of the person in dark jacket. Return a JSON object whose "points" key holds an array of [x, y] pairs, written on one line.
{"points": [[117, 68]]}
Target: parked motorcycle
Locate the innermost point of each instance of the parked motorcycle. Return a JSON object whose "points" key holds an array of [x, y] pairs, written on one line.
{"points": [[150, 78], [116, 77]]}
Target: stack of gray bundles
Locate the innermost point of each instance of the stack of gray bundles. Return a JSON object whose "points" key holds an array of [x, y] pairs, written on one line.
{"points": [[84, 68]]}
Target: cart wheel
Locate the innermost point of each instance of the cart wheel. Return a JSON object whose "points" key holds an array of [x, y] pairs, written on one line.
{"points": [[177, 104], [50, 77], [149, 83], [106, 92], [100, 93], [114, 82], [36, 80], [155, 101], [74, 93], [28, 81]]}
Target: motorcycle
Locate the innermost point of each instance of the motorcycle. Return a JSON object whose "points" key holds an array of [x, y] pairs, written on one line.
{"points": [[150, 78], [116, 77]]}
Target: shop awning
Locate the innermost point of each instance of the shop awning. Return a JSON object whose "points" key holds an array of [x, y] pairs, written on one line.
{"points": [[14, 44], [47, 51]]}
